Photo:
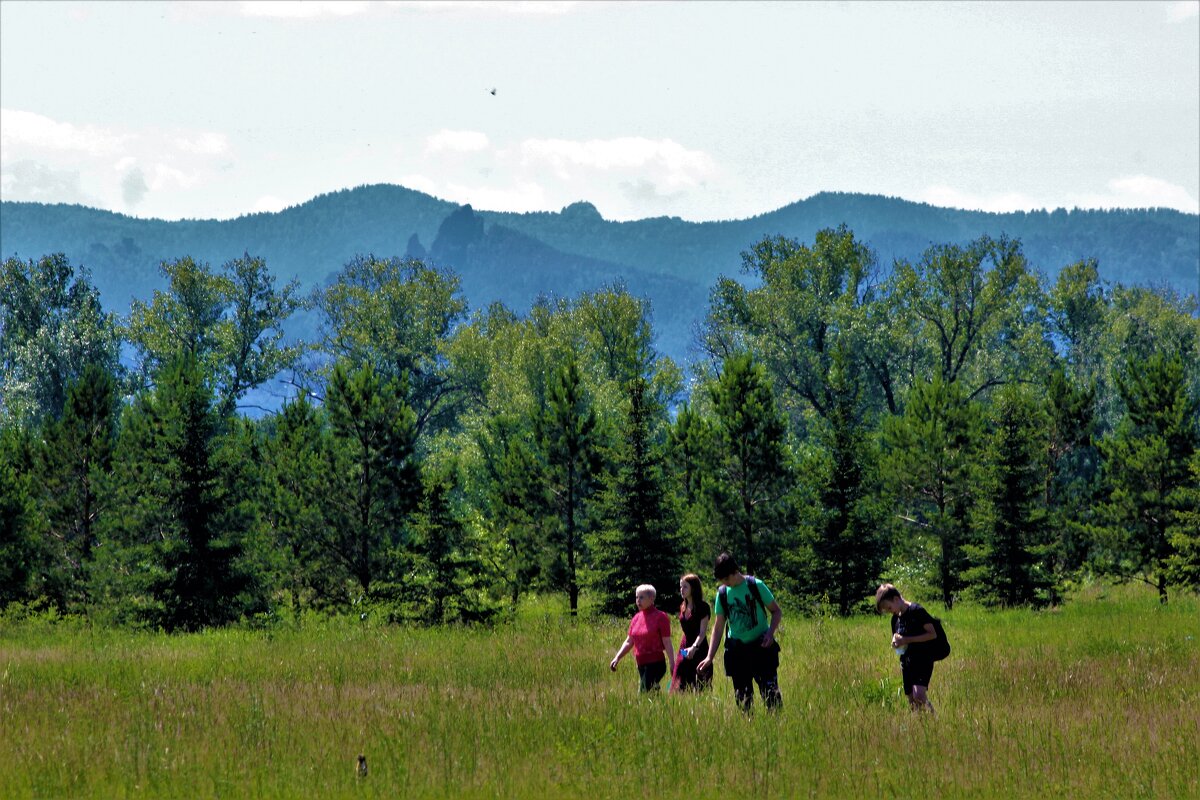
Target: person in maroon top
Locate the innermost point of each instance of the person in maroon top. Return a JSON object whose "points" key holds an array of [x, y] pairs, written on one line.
{"points": [[650, 639], [694, 615]]}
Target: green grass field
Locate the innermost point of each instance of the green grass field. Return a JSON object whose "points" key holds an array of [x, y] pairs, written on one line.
{"points": [[1098, 699]]}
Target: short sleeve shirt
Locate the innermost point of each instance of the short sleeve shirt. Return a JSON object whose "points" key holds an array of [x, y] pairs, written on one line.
{"points": [[691, 625], [912, 623], [647, 630], [745, 619]]}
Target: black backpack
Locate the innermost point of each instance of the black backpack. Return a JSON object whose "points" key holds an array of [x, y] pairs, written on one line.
{"points": [[939, 648]]}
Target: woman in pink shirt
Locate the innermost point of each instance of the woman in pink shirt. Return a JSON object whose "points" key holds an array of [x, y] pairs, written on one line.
{"points": [[650, 639]]}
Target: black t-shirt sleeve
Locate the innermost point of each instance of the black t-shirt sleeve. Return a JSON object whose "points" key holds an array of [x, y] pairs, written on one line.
{"points": [[701, 611], [912, 623], [917, 619]]}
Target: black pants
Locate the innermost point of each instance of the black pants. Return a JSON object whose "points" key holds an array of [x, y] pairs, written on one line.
{"points": [[748, 664], [650, 675]]}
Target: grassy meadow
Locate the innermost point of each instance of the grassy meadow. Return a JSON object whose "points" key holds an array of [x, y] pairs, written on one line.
{"points": [[1098, 699]]}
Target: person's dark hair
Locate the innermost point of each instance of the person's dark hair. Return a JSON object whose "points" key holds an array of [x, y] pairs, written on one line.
{"points": [[884, 593], [697, 595], [725, 566]]}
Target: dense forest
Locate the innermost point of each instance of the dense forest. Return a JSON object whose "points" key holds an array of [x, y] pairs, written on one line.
{"points": [[955, 420], [514, 258]]}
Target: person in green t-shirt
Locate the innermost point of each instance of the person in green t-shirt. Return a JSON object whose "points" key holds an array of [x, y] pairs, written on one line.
{"points": [[751, 652]]}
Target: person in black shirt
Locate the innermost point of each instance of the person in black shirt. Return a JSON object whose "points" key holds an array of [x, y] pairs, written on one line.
{"points": [[694, 615], [912, 627]]}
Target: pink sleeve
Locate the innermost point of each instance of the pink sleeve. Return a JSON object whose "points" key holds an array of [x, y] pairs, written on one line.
{"points": [[664, 625]]}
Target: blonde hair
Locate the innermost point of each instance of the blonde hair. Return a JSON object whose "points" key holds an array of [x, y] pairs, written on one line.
{"points": [[647, 589]]}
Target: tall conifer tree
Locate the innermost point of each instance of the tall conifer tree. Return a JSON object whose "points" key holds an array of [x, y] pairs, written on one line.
{"points": [[752, 476], [76, 454], [573, 466], [640, 542], [173, 547], [1146, 463], [374, 479]]}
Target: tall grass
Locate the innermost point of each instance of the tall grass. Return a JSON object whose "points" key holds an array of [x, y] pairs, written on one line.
{"points": [[1099, 699]]}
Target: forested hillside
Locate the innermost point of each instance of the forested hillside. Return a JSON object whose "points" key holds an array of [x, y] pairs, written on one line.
{"points": [[955, 423], [515, 257]]}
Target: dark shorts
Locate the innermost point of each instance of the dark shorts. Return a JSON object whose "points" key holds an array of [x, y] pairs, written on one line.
{"points": [[749, 663], [685, 670], [650, 675], [917, 672]]}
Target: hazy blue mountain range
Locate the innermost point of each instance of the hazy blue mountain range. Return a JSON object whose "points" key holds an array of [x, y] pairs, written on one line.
{"points": [[514, 257]]}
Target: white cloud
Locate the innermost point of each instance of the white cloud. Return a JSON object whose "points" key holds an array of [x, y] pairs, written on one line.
{"points": [[316, 9], [1142, 191], [949, 197], [301, 9], [531, 7], [204, 143], [164, 176], [456, 142], [1183, 9], [422, 183], [1133, 191], [38, 183], [268, 202], [625, 177], [24, 129], [112, 167], [521, 196], [665, 163]]}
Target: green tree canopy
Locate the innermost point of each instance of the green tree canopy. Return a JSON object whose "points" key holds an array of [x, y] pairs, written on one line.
{"points": [[51, 327]]}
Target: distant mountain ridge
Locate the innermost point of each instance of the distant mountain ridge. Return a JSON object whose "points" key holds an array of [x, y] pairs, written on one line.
{"points": [[514, 257]]}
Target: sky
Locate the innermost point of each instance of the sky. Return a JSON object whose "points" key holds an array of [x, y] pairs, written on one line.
{"points": [[698, 110]]}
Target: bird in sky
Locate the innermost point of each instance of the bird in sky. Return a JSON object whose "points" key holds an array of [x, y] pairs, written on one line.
{"points": [[492, 91]]}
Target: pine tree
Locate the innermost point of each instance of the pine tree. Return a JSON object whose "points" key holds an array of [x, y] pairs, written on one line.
{"points": [[1183, 534], [22, 529], [76, 454], [449, 575], [295, 494], [172, 541], [931, 452], [689, 457], [752, 478], [572, 468], [514, 500], [849, 548], [1146, 465], [372, 468], [1014, 544], [640, 542], [1071, 466]]}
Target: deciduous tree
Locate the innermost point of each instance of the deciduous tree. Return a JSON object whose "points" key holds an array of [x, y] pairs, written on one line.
{"points": [[51, 327]]}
